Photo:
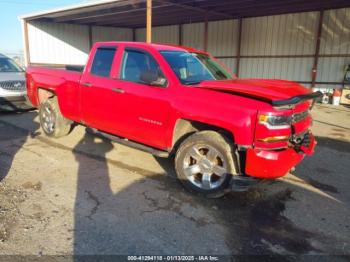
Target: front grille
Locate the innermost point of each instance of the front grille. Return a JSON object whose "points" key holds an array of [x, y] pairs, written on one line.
{"points": [[300, 116], [13, 85], [302, 139], [298, 138]]}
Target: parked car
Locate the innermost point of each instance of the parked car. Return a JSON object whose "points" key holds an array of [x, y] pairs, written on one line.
{"points": [[13, 91], [179, 101]]}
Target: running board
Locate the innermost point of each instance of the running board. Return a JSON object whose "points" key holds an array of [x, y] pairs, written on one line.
{"points": [[126, 142]]}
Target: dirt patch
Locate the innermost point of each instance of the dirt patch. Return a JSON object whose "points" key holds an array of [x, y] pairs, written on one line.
{"points": [[9, 212], [29, 185]]}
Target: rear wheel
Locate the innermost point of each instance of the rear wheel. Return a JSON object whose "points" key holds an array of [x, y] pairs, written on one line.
{"points": [[205, 163], [51, 120]]}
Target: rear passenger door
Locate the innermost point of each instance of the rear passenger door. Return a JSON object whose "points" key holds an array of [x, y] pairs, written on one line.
{"points": [[98, 98]]}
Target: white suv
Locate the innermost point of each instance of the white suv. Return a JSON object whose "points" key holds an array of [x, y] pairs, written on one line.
{"points": [[13, 92]]}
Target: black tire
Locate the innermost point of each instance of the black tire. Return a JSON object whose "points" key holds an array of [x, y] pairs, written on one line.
{"points": [[222, 146], [60, 125]]}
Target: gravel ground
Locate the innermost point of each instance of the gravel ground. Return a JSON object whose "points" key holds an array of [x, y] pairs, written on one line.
{"points": [[84, 195]]}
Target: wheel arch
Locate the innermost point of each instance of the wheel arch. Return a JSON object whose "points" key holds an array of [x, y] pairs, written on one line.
{"points": [[184, 128], [44, 94]]}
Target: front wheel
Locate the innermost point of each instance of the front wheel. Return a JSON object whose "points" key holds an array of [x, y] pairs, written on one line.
{"points": [[53, 123], [205, 163]]}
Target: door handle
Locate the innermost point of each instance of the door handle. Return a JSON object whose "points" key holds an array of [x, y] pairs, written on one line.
{"points": [[87, 84], [118, 90]]}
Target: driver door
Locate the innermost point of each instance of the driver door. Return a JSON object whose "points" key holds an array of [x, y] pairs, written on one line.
{"points": [[143, 109]]}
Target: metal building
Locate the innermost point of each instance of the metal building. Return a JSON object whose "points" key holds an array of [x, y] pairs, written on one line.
{"points": [[306, 41]]}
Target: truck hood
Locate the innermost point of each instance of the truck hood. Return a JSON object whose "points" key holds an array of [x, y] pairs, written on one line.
{"points": [[276, 92], [12, 76]]}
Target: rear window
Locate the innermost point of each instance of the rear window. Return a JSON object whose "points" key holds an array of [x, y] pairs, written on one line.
{"points": [[103, 61]]}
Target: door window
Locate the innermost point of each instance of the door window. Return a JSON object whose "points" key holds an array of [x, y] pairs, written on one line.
{"points": [[135, 63], [103, 61]]}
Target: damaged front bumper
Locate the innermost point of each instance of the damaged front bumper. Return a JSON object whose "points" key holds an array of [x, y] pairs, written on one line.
{"points": [[269, 164]]}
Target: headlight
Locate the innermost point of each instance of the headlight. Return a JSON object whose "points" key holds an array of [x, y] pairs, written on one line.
{"points": [[275, 122]]}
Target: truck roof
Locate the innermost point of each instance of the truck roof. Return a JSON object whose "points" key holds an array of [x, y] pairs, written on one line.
{"points": [[158, 47]]}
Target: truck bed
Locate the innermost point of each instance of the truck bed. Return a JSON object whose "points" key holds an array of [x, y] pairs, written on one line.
{"points": [[64, 83], [50, 79]]}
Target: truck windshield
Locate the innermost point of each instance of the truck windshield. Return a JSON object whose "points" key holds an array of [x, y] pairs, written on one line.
{"points": [[193, 68], [7, 66]]}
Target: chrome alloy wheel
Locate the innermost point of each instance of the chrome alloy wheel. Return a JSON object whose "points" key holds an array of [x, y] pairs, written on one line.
{"points": [[48, 119], [205, 167]]}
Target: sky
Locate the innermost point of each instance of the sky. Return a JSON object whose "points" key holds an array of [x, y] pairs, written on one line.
{"points": [[10, 27]]}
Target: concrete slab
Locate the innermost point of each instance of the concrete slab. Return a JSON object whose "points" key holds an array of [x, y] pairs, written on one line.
{"points": [[83, 195]]}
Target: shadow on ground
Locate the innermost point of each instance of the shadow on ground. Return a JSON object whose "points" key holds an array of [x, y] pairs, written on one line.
{"points": [[154, 215], [14, 138]]}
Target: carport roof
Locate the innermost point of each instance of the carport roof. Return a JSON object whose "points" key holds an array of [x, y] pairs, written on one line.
{"points": [[132, 13]]}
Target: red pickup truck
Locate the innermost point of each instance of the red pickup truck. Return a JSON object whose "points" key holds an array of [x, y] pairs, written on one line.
{"points": [[177, 101]]}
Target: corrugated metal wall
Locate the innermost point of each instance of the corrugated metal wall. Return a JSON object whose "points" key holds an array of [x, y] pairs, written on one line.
{"points": [[223, 42], [273, 39], [292, 34], [193, 35], [161, 34], [58, 43], [53, 43], [222, 39], [101, 34], [281, 46], [335, 40]]}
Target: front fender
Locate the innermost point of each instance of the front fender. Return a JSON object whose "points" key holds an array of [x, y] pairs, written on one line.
{"points": [[241, 126]]}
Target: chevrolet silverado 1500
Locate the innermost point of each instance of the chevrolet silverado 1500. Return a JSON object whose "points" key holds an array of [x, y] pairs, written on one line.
{"points": [[177, 101]]}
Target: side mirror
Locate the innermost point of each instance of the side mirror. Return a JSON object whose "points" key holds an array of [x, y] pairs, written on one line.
{"points": [[152, 78]]}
